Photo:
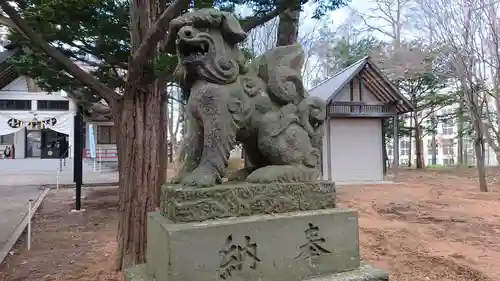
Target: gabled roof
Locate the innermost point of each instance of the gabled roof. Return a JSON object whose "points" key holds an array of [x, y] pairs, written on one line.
{"points": [[329, 88], [373, 79]]}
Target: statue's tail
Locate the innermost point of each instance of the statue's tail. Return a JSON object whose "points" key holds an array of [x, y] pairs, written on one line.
{"points": [[281, 69]]}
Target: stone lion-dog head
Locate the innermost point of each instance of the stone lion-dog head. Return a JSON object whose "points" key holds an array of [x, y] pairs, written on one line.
{"points": [[206, 41]]}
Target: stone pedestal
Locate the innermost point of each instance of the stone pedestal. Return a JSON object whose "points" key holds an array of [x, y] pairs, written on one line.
{"points": [[249, 232], [183, 204]]}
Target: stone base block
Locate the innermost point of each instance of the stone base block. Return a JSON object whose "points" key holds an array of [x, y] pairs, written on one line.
{"points": [[185, 204], [363, 273], [281, 247], [138, 273]]}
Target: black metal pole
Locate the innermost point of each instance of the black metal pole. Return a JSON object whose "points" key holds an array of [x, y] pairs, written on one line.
{"points": [[78, 176], [75, 140]]}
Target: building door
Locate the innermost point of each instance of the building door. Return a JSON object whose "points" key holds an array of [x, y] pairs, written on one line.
{"points": [[356, 150], [54, 144], [33, 143]]}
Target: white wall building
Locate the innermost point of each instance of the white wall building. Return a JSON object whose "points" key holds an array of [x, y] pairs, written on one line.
{"points": [[359, 98], [32, 122]]}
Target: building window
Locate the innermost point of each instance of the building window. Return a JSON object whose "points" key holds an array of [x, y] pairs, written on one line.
{"points": [[15, 105], [447, 145], [404, 147], [106, 135], [448, 161], [429, 147], [448, 128], [53, 105], [7, 139]]}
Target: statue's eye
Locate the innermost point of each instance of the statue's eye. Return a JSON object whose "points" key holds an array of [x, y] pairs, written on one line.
{"points": [[316, 110], [201, 27]]}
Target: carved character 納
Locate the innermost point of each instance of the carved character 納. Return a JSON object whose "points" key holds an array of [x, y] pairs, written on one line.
{"points": [[234, 256]]}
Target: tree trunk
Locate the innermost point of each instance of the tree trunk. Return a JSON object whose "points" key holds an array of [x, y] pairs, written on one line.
{"points": [[460, 148], [163, 142], [497, 156], [419, 159], [434, 149], [460, 129], [466, 153], [481, 171], [410, 138], [418, 148], [141, 152], [386, 157], [141, 144], [433, 138], [288, 27]]}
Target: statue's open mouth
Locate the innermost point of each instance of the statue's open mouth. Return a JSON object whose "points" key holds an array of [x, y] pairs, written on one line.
{"points": [[193, 49]]}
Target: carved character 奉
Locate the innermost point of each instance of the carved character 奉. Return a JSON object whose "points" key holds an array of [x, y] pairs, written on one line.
{"points": [[262, 105]]}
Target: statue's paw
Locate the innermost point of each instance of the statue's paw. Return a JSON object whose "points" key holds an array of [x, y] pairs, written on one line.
{"points": [[238, 175], [311, 159], [201, 177], [263, 175], [283, 173], [175, 180]]}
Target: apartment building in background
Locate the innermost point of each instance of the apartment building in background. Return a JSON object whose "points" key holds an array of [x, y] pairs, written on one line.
{"points": [[446, 150]]}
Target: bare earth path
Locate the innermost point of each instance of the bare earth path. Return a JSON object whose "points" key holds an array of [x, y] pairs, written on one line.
{"points": [[432, 226], [68, 246]]}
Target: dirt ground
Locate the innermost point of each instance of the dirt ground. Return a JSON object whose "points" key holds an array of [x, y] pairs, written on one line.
{"points": [[431, 225]]}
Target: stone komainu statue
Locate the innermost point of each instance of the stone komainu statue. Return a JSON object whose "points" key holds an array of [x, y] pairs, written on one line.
{"points": [[262, 104]]}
